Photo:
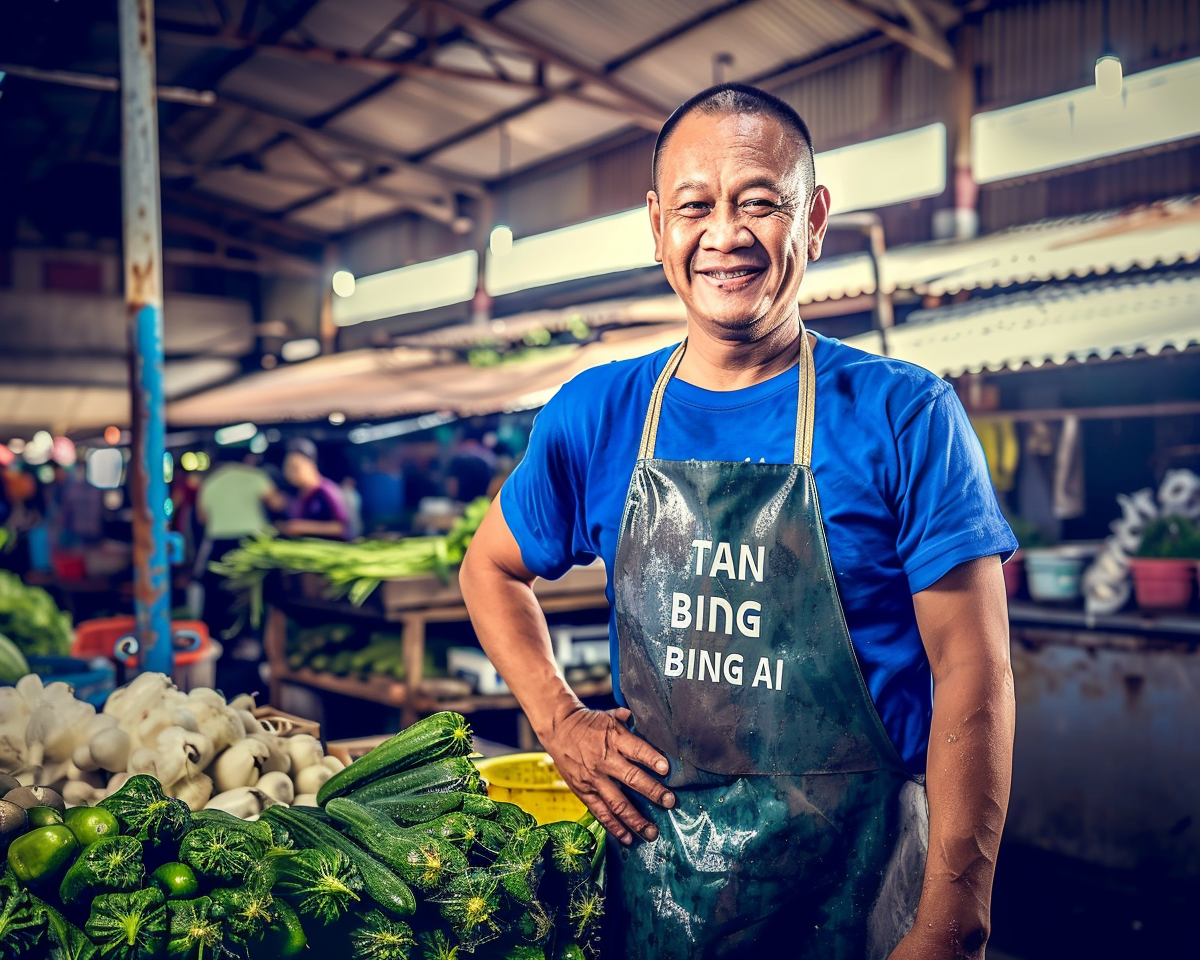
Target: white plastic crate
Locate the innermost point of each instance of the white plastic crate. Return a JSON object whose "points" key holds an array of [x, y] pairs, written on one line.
{"points": [[472, 665]]}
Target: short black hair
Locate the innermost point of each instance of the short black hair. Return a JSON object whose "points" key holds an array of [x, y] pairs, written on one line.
{"points": [[304, 447], [733, 99]]}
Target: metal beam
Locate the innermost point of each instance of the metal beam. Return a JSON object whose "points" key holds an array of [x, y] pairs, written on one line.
{"points": [[643, 109], [143, 298], [233, 210], [91, 81], [935, 49], [269, 256], [405, 68]]}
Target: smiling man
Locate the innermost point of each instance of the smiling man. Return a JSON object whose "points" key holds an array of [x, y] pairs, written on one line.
{"points": [[814, 745]]}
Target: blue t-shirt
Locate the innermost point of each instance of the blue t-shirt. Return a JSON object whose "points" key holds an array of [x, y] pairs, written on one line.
{"points": [[904, 488]]}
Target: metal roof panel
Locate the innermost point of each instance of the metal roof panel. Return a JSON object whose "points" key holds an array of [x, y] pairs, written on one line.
{"points": [[1053, 324]]}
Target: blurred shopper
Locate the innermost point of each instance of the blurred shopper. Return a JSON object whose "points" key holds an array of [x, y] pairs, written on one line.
{"points": [[318, 509], [232, 504]]}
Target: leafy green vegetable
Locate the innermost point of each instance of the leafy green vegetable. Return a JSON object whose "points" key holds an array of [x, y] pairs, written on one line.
{"points": [[21, 922], [144, 811], [322, 883], [67, 941], [585, 910], [195, 933], [129, 926], [246, 911], [571, 846], [378, 937], [352, 569], [219, 853], [111, 865], [469, 903], [519, 865], [31, 619], [435, 945]]}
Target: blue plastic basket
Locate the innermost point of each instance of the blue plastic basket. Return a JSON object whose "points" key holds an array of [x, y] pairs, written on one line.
{"points": [[93, 679]]}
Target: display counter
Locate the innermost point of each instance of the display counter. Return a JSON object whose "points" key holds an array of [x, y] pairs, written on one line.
{"points": [[413, 603]]}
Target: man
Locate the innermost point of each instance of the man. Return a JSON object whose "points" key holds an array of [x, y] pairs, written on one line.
{"points": [[231, 504], [317, 509], [774, 654]]}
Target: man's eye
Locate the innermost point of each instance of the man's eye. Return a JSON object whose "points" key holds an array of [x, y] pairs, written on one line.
{"points": [[694, 207], [759, 205]]}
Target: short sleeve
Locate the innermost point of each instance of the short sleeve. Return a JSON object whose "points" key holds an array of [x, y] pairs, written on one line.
{"points": [[945, 502], [542, 498]]}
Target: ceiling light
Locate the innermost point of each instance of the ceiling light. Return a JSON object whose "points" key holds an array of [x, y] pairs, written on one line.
{"points": [[501, 241], [1109, 79], [296, 350], [343, 283], [238, 433]]}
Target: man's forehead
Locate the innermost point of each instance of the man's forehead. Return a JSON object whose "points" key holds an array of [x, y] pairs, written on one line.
{"points": [[758, 145]]}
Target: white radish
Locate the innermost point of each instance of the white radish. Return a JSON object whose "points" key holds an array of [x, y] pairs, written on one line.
{"points": [[277, 785], [333, 763], [240, 765], [310, 779]]}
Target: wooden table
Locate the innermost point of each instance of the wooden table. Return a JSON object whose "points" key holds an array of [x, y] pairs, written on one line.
{"points": [[414, 603]]}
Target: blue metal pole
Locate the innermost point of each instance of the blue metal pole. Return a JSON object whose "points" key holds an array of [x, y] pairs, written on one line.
{"points": [[143, 300]]}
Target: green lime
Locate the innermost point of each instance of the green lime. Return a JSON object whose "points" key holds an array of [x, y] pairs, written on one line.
{"points": [[176, 881], [44, 817], [90, 824]]}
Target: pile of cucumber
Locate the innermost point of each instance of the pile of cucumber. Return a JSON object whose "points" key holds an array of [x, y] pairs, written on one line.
{"points": [[406, 858], [450, 868], [339, 649]]}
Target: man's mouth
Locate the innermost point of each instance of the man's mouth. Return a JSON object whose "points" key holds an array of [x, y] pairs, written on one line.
{"points": [[732, 274]]}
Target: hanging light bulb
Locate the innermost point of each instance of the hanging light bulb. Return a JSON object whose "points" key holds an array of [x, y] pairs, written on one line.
{"points": [[1109, 77], [501, 241]]}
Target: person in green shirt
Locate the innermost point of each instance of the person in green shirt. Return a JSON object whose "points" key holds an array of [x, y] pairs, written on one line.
{"points": [[232, 504]]}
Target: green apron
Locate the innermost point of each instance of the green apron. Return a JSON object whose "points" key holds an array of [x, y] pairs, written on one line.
{"points": [[796, 824]]}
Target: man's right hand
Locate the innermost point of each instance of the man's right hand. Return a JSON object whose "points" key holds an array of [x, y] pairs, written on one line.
{"points": [[594, 751], [597, 756]]}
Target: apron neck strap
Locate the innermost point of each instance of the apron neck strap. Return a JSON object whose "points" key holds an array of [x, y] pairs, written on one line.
{"points": [[805, 407]]}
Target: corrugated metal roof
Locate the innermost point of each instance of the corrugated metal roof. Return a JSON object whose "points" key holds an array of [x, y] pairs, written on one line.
{"points": [[400, 381], [1159, 234], [1053, 324]]}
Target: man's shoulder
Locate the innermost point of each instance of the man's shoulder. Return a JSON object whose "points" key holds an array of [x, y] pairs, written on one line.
{"points": [[866, 376], [597, 388]]}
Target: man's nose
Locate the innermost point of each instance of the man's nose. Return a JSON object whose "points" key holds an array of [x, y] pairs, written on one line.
{"points": [[725, 228]]}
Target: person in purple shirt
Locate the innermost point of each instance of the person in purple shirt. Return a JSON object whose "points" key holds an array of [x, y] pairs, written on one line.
{"points": [[318, 509]]}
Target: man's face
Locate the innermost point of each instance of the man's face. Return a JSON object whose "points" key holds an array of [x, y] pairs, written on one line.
{"points": [[732, 226], [298, 469]]}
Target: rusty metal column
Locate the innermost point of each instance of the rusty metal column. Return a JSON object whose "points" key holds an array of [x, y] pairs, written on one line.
{"points": [[143, 300]]}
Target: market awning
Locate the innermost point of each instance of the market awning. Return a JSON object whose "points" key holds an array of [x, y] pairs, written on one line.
{"points": [[370, 384], [1054, 323], [1159, 234]]}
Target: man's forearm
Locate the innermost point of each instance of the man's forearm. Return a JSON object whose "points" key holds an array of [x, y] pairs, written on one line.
{"points": [[512, 631], [968, 777]]}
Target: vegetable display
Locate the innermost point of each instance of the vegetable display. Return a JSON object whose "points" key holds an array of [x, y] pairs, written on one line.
{"points": [[353, 570], [30, 618], [454, 875]]}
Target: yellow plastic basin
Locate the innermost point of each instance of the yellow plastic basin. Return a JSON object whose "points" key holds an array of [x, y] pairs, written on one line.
{"points": [[531, 781]]}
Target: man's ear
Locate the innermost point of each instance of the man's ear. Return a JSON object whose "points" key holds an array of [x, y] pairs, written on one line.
{"points": [[654, 208], [818, 221]]}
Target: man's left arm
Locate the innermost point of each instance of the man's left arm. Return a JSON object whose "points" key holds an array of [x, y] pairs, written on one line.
{"points": [[963, 619]]}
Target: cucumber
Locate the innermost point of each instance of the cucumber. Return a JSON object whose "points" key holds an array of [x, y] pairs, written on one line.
{"points": [[362, 659], [441, 776], [379, 882], [409, 811], [426, 862], [435, 737], [513, 818]]}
